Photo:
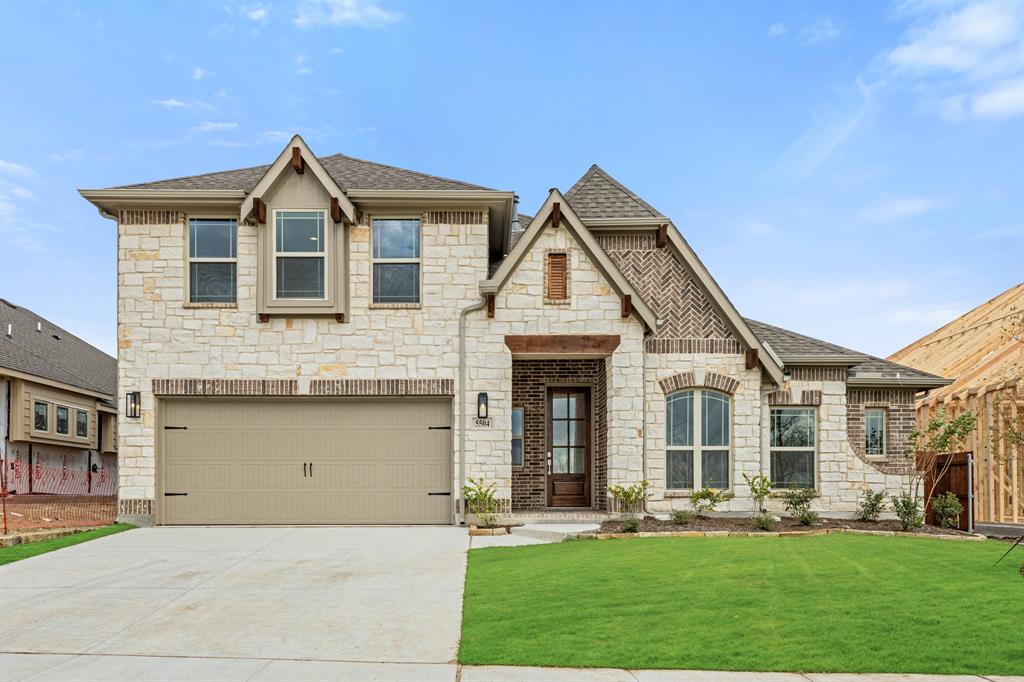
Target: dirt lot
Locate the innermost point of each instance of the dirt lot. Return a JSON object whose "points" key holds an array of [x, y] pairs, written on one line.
{"points": [[27, 512]]}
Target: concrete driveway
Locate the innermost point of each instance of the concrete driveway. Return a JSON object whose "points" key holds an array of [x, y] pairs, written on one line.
{"points": [[238, 603]]}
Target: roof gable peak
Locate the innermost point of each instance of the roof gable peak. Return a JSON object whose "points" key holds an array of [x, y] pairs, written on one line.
{"points": [[598, 195]]}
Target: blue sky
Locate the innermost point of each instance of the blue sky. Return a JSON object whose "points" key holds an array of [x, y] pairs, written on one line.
{"points": [[854, 171]]}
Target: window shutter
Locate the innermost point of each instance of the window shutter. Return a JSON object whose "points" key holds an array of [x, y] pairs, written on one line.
{"points": [[557, 267]]}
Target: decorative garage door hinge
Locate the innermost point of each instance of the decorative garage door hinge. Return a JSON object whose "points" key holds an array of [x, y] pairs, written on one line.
{"points": [[439, 428], [175, 494], [175, 428], [445, 493]]}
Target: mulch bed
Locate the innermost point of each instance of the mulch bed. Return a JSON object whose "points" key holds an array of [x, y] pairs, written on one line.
{"points": [[649, 524]]}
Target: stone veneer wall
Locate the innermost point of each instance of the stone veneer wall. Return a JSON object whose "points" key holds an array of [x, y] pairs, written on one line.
{"points": [[530, 380], [901, 420]]}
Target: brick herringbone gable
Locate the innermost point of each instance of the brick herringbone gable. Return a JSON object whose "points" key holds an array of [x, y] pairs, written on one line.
{"points": [[672, 293]]}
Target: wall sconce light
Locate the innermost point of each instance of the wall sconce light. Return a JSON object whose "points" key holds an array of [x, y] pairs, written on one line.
{"points": [[481, 405], [133, 404], [787, 375]]}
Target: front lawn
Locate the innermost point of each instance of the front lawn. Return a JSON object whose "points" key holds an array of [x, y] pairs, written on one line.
{"points": [[31, 549], [833, 603]]}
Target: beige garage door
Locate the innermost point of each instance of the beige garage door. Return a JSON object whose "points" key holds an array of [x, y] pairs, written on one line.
{"points": [[306, 461]]}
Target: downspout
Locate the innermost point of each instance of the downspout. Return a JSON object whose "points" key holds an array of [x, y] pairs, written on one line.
{"points": [[461, 414], [643, 414]]}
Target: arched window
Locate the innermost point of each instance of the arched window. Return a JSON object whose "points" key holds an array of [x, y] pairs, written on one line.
{"points": [[697, 440]]}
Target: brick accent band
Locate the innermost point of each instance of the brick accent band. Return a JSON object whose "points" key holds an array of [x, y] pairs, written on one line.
{"points": [[780, 397], [716, 346], [818, 373], [148, 217], [720, 382], [378, 387], [456, 217], [810, 397], [226, 387], [137, 507]]}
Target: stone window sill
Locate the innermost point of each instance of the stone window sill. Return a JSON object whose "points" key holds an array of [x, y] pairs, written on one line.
{"points": [[396, 306], [209, 305]]}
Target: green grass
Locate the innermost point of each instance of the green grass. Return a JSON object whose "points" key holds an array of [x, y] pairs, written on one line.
{"points": [[835, 603], [19, 552]]}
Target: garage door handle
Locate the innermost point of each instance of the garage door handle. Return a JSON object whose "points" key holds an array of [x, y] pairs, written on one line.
{"points": [[175, 494], [449, 494], [304, 464]]}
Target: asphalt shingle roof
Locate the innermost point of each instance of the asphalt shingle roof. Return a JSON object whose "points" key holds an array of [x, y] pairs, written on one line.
{"points": [[786, 342], [347, 171], [599, 195], [52, 353]]}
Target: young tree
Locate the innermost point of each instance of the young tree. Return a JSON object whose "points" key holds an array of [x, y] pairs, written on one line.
{"points": [[941, 436]]}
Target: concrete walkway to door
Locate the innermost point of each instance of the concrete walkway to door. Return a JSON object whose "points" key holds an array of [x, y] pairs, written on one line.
{"points": [[227, 602]]}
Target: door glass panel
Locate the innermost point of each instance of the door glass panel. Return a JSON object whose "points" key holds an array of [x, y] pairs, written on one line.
{"points": [[560, 460], [577, 464], [578, 432], [559, 433], [559, 406], [575, 405]]}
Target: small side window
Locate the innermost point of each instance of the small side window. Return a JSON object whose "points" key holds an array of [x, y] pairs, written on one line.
{"points": [[41, 413], [81, 423], [517, 436], [62, 421], [874, 431]]}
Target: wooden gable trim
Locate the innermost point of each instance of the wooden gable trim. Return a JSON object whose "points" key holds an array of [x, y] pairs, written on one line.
{"points": [[562, 344], [298, 165]]}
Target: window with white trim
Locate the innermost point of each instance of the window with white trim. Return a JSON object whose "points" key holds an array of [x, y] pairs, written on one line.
{"points": [[792, 447], [874, 431], [300, 254], [212, 260], [697, 440], [81, 424], [396, 260], [40, 416], [517, 436], [62, 421]]}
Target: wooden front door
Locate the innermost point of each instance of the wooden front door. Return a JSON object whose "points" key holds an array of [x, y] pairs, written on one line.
{"points": [[568, 443]]}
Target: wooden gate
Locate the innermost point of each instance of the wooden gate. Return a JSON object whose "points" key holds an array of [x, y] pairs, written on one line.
{"points": [[958, 479]]}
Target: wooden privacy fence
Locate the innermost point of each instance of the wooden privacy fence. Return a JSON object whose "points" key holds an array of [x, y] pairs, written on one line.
{"points": [[956, 479], [998, 459]]}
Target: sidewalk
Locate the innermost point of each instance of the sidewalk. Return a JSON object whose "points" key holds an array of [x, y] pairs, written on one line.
{"points": [[68, 668]]}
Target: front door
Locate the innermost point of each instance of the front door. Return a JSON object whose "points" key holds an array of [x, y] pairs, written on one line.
{"points": [[569, 447]]}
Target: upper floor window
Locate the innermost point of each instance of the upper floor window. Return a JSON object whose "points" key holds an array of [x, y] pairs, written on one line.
{"points": [[62, 421], [212, 260], [874, 431], [396, 261], [697, 440], [792, 445], [300, 254], [81, 423], [41, 416]]}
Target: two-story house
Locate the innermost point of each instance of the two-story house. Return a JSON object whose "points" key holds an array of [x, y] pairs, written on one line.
{"points": [[330, 340]]}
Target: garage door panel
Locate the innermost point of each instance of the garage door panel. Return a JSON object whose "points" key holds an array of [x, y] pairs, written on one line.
{"points": [[241, 461]]}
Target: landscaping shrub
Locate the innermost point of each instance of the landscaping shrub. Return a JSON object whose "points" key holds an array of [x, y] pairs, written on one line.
{"points": [[765, 522], [798, 503], [631, 525], [705, 500], [870, 506], [480, 501], [682, 517], [908, 510], [760, 489], [947, 509], [630, 498]]}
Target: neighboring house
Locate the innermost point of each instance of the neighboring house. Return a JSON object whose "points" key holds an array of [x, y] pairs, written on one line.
{"points": [[329, 340], [58, 418], [983, 350]]}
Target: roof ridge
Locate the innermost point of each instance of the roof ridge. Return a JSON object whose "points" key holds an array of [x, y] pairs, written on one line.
{"points": [[265, 166], [404, 170], [596, 170], [818, 342]]}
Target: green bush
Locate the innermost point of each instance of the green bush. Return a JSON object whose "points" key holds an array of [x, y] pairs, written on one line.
{"points": [[631, 525], [630, 498], [765, 522], [870, 506], [947, 509], [480, 501], [808, 518], [760, 489], [682, 517], [908, 511], [705, 500], [798, 501]]}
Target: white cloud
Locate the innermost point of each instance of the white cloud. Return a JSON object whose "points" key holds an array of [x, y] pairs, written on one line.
{"points": [[199, 73], [16, 170], [362, 13], [898, 209], [1003, 232], [257, 13], [757, 228], [335, 50], [777, 29], [303, 71], [300, 58], [22, 193], [69, 155], [966, 59], [275, 136], [170, 103], [212, 127], [821, 31]]}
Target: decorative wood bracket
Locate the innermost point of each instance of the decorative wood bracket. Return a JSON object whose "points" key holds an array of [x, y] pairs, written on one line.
{"points": [[264, 317], [556, 214], [627, 305], [336, 210], [259, 211], [662, 236], [490, 306], [297, 163], [751, 356], [340, 317]]}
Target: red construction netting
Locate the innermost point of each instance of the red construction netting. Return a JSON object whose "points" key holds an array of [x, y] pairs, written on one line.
{"points": [[62, 497]]}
